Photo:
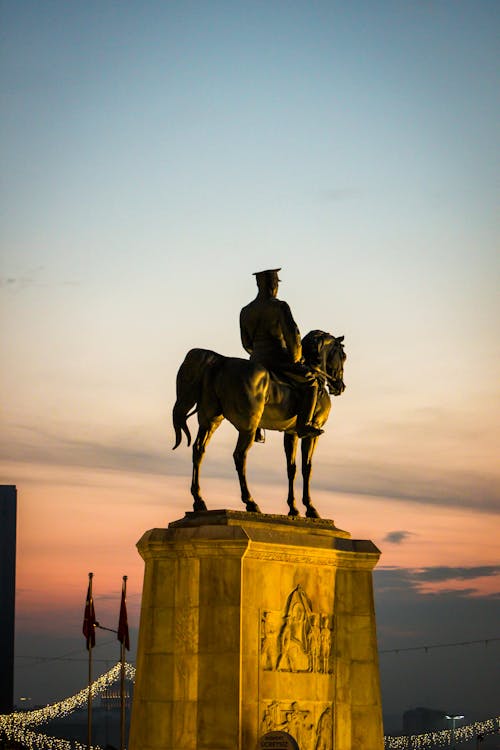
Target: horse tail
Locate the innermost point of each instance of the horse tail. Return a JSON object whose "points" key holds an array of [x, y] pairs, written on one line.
{"points": [[179, 417], [189, 383]]}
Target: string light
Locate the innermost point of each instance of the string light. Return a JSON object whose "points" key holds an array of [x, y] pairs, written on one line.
{"points": [[18, 726], [484, 641], [442, 738]]}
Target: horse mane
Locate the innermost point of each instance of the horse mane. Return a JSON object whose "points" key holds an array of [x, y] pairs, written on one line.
{"points": [[312, 344]]}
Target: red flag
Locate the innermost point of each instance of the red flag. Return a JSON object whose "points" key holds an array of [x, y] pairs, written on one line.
{"points": [[89, 621], [123, 621]]}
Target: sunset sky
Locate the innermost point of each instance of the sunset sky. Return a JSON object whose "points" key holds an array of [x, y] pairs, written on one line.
{"points": [[153, 156]]}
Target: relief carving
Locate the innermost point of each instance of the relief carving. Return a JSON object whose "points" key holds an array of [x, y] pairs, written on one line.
{"points": [[325, 644], [310, 724], [298, 639], [271, 626], [324, 731], [271, 717]]}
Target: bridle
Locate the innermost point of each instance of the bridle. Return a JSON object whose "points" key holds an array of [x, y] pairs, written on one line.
{"points": [[320, 350], [334, 379]]}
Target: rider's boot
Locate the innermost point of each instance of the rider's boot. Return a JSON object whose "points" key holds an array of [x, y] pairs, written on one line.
{"points": [[305, 427]]}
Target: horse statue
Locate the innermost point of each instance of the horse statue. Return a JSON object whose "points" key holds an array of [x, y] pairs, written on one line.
{"points": [[250, 396]]}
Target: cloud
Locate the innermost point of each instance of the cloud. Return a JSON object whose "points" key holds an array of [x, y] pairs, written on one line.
{"points": [[17, 283], [408, 581], [446, 487], [451, 488], [401, 461], [21, 281], [445, 573], [396, 537], [29, 445]]}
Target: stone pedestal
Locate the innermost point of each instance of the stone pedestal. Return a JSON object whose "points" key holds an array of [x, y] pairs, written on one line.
{"points": [[252, 624]]}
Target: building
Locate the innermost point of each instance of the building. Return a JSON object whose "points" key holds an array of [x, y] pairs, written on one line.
{"points": [[8, 516]]}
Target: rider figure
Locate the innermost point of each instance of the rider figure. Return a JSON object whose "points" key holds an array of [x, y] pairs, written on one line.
{"points": [[271, 337]]}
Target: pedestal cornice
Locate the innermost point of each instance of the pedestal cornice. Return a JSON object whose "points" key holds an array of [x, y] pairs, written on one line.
{"points": [[259, 536]]}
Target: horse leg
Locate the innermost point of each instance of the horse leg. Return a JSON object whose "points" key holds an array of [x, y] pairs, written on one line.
{"points": [[205, 432], [307, 447], [290, 442], [245, 440]]}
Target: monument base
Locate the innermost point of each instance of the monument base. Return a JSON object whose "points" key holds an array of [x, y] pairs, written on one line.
{"points": [[256, 624]]}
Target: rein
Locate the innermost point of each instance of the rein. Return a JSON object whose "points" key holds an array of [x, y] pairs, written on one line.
{"points": [[330, 379]]}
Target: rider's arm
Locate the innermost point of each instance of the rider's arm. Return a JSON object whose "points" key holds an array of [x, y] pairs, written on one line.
{"points": [[291, 333], [246, 339]]}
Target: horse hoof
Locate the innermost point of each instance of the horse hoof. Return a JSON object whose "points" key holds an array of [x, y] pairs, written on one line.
{"points": [[293, 511], [311, 512], [252, 507], [199, 505]]}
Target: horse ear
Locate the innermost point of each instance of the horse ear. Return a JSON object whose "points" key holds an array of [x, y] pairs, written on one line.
{"points": [[340, 339]]}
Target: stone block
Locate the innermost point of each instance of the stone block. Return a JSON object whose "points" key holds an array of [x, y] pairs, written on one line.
{"points": [[343, 729], [362, 593], [359, 638], [367, 727], [187, 583], [219, 629], [185, 678], [159, 684], [164, 581], [220, 581], [161, 628], [157, 724], [217, 729], [364, 683], [185, 721]]}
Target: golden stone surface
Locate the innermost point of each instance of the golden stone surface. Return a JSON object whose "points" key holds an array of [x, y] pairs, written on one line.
{"points": [[253, 624]]}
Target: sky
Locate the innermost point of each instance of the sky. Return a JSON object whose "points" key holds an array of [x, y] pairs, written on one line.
{"points": [[153, 156]]}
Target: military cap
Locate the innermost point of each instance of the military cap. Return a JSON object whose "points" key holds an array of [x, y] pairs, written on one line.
{"points": [[272, 273]]}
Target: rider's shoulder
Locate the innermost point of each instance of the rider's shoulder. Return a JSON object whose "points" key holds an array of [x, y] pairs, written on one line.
{"points": [[283, 305], [275, 302], [248, 308]]}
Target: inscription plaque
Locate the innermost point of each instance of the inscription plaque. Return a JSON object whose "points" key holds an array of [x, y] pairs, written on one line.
{"points": [[278, 741]]}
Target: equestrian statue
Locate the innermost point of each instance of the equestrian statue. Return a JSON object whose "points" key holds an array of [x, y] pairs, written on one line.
{"points": [[284, 386]]}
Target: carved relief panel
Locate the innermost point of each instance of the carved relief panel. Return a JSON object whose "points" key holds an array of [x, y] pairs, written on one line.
{"points": [[309, 723], [296, 639]]}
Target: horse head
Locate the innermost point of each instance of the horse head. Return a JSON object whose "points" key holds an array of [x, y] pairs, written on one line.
{"points": [[325, 354]]}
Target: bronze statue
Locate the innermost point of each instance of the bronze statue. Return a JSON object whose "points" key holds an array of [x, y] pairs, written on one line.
{"points": [[284, 386], [271, 337]]}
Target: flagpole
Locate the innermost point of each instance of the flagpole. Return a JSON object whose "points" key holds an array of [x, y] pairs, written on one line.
{"points": [[122, 678], [89, 697]]}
